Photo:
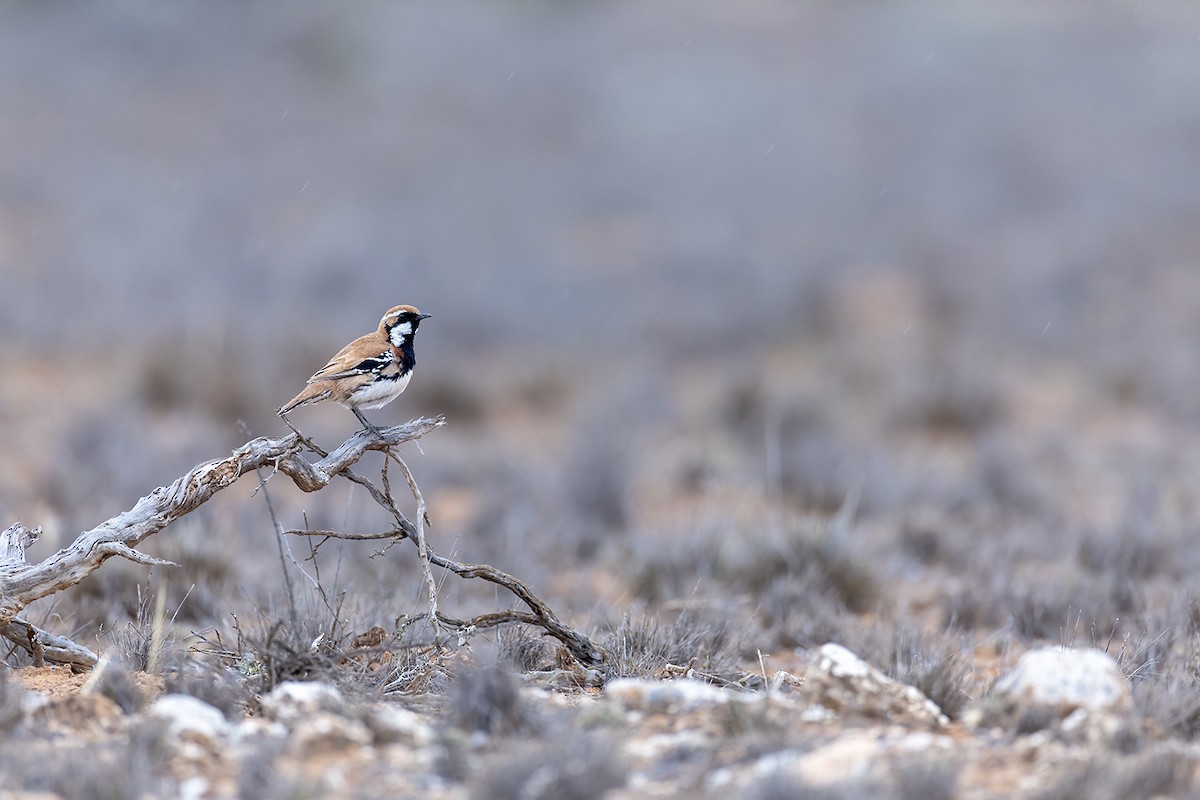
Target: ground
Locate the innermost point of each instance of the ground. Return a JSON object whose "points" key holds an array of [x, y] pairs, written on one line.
{"points": [[756, 329]]}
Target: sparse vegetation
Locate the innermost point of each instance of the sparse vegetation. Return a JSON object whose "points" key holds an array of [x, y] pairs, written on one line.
{"points": [[756, 329]]}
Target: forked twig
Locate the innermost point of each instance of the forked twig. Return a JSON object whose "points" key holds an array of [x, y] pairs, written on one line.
{"points": [[22, 583], [422, 548], [540, 615]]}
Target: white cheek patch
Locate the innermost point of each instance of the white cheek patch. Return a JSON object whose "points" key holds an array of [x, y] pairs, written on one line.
{"points": [[400, 333]]}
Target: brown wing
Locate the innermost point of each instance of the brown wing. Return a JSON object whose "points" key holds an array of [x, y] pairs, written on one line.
{"points": [[364, 355], [336, 380]]}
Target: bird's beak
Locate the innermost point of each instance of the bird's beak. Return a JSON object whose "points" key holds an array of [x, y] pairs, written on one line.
{"points": [[424, 316]]}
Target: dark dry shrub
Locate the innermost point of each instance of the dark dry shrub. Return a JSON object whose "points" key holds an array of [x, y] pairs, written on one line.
{"points": [[310, 647], [1156, 773], [794, 614], [1057, 611], [208, 576], [456, 396], [1034, 719], [10, 702], [949, 395], [780, 785], [135, 767], [215, 382], [1133, 551], [810, 555], [643, 646], [1170, 702], [523, 650], [819, 470], [571, 767], [1052, 611], [935, 664], [117, 684], [923, 777], [213, 683], [488, 698], [599, 484], [258, 777]]}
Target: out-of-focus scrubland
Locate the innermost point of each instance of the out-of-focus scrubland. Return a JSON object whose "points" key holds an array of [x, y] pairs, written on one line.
{"points": [[758, 325]]}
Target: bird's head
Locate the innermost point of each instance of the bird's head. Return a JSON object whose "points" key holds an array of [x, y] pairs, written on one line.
{"points": [[400, 323]]}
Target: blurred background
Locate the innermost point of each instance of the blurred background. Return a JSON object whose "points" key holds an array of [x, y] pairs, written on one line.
{"points": [[697, 271]]}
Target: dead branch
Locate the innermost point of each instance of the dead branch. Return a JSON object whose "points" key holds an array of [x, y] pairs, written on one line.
{"points": [[540, 615], [422, 546], [22, 583], [54, 649], [14, 540]]}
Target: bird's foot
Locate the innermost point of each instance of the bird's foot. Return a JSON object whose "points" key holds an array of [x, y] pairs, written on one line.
{"points": [[366, 423]]}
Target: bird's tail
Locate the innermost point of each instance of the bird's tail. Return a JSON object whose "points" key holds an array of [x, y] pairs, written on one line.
{"points": [[311, 394]]}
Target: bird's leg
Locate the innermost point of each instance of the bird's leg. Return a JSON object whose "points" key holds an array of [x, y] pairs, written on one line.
{"points": [[316, 448], [366, 423]]}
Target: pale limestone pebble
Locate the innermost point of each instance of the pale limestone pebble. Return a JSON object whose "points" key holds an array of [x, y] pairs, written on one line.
{"points": [[860, 755], [194, 729], [393, 724], [253, 728], [323, 733], [663, 746], [817, 713], [196, 787], [1081, 694], [640, 694], [850, 758], [1053, 677], [33, 701], [842, 682], [294, 701], [1091, 728]]}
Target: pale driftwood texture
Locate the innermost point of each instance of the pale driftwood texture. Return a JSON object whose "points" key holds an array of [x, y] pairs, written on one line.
{"points": [[22, 583], [45, 646], [14, 540], [42, 645]]}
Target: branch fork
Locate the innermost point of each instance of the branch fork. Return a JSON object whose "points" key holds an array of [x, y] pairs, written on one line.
{"points": [[22, 583]]}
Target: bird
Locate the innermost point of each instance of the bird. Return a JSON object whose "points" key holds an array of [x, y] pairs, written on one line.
{"points": [[370, 372]]}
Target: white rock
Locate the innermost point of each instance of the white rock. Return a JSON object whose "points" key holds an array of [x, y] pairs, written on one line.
{"points": [[189, 717], [853, 757], [194, 788], [323, 733], [841, 681], [253, 728], [392, 724], [1065, 680], [679, 695], [294, 701], [659, 747], [861, 754]]}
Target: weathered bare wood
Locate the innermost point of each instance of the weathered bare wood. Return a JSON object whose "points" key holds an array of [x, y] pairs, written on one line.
{"points": [[21, 583], [14, 540], [55, 649], [422, 545]]}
